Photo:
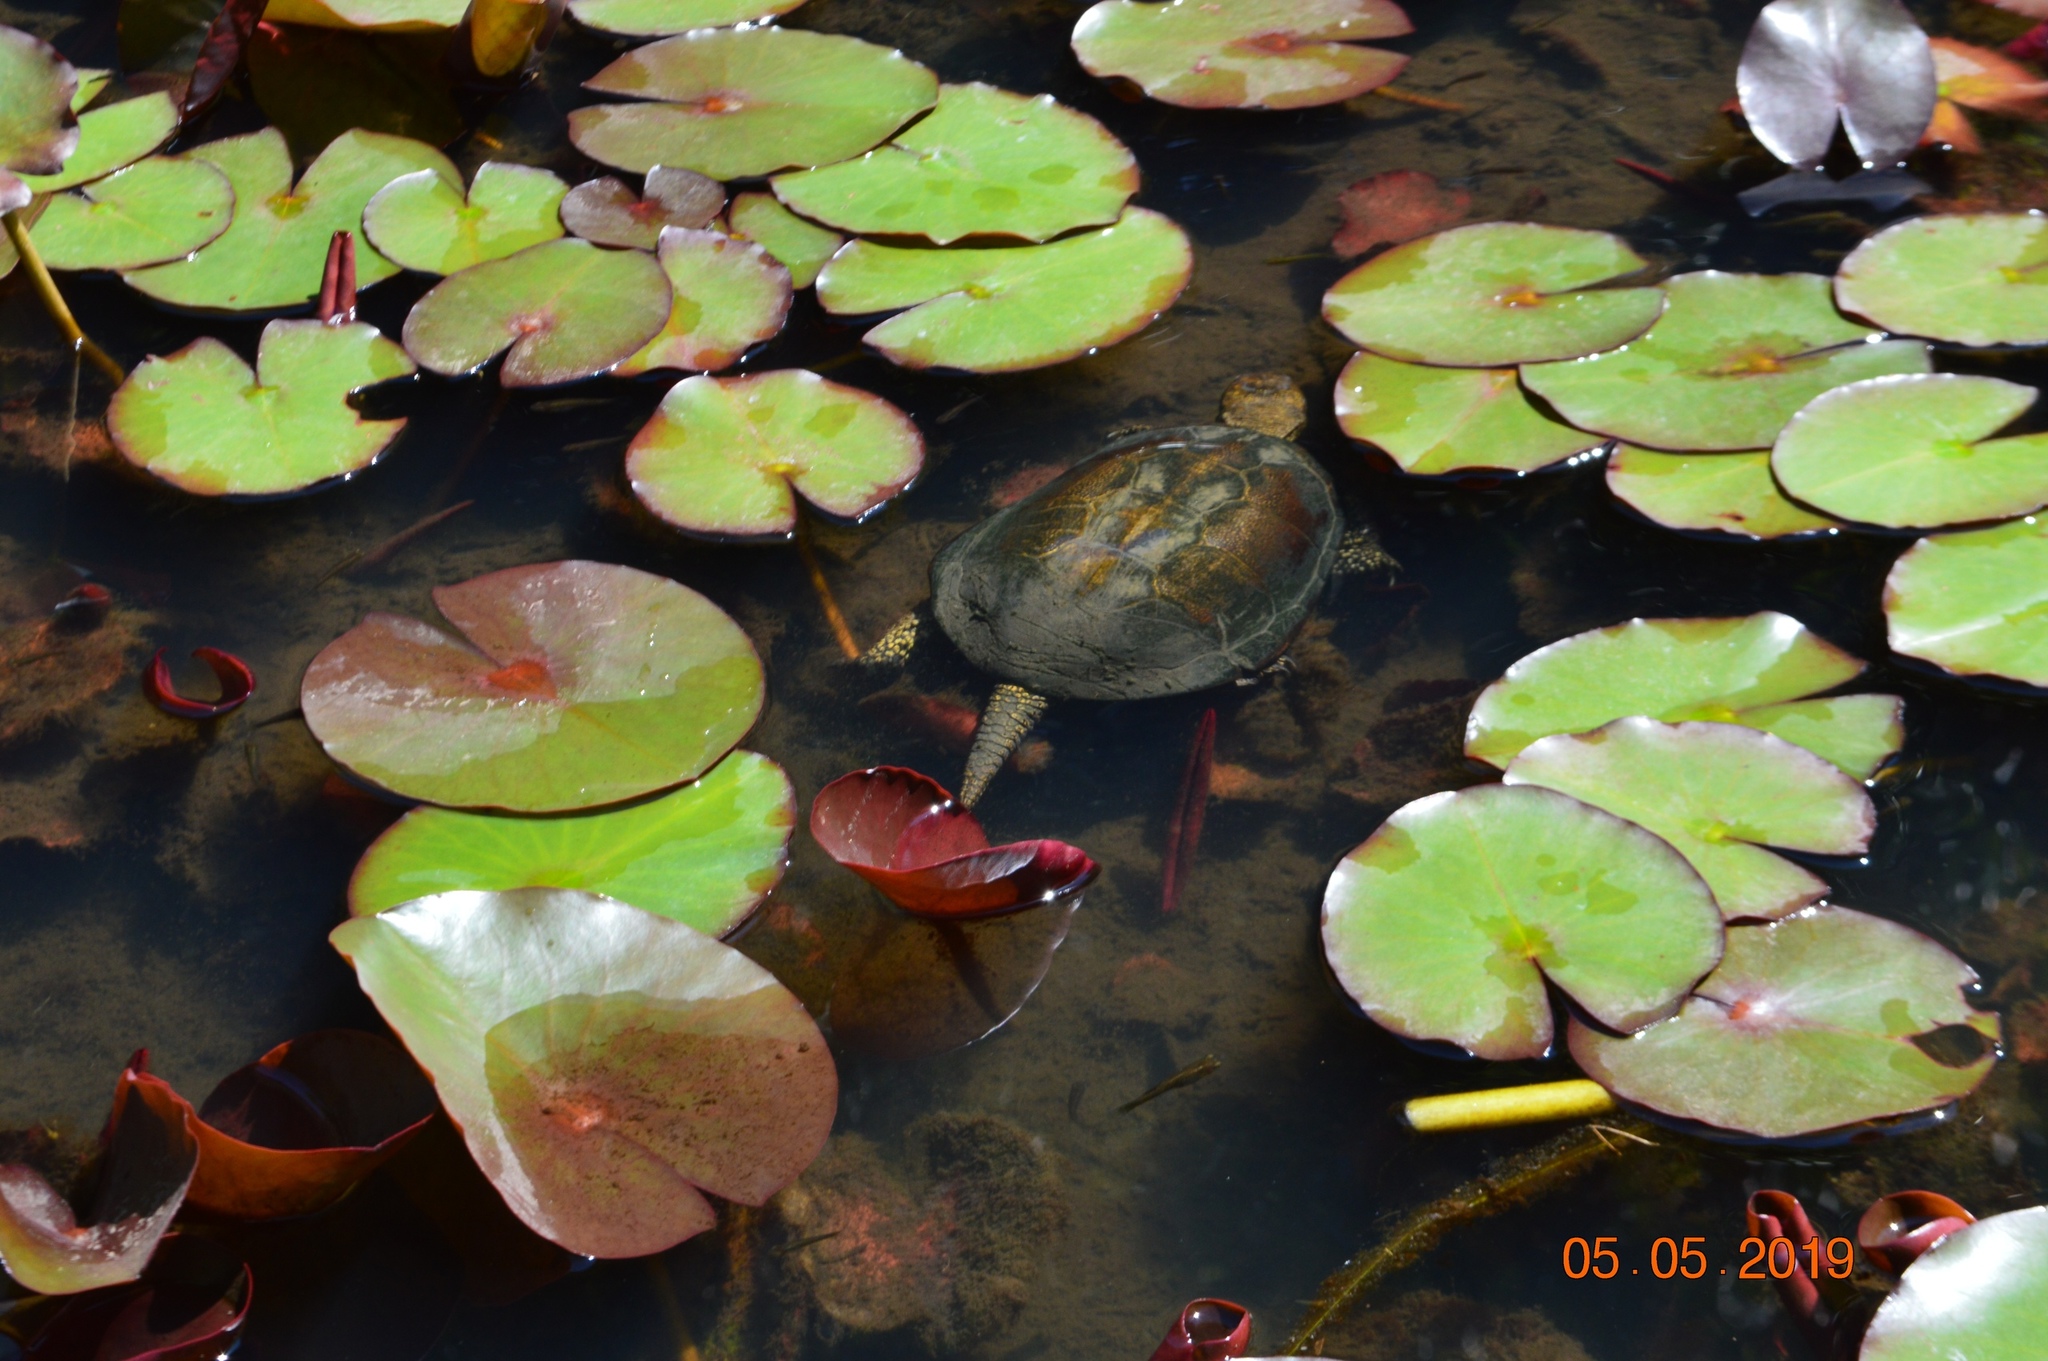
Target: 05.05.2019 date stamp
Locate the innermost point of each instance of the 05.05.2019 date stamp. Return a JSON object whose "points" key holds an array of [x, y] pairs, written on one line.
{"points": [[1757, 1259]]}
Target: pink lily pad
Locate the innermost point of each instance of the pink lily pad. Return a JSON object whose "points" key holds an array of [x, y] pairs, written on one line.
{"points": [[608, 212]]}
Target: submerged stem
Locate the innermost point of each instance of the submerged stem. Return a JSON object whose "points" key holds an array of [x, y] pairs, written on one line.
{"points": [[840, 629], [53, 301]]}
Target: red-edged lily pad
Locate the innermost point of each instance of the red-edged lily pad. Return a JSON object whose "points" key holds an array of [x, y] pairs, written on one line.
{"points": [[188, 1305], [1243, 54], [608, 212], [729, 295], [38, 131], [903, 833]]}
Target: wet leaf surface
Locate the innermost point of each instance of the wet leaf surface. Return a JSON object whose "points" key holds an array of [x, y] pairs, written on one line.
{"points": [[802, 247], [111, 137], [704, 855], [1009, 308], [1243, 54], [421, 221], [608, 212], [657, 18], [190, 1301], [159, 209], [1726, 365], [1446, 923], [1732, 493], [571, 685], [1395, 206], [1811, 63], [1975, 603], [607, 1066], [729, 295], [1433, 421], [204, 421], [1978, 1292], [1971, 278], [985, 162], [1807, 1025], [740, 102], [1494, 294], [728, 458]]}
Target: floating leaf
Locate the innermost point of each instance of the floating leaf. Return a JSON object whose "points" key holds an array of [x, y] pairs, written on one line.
{"points": [[1970, 278], [1808, 62], [573, 684], [564, 310], [729, 296], [1014, 307], [1978, 78], [295, 1131], [37, 130], [609, 213], [750, 101], [387, 16], [1977, 1294], [1895, 1229], [1732, 493], [1733, 356], [1396, 206], [1446, 923], [421, 221], [1807, 1025], [204, 421], [1912, 452], [1975, 604], [1433, 420], [163, 208], [1243, 54], [802, 247], [272, 252], [607, 1066], [1755, 670], [1718, 793], [658, 18], [704, 855], [189, 1302], [904, 834], [985, 162], [1493, 294], [728, 457], [112, 137], [147, 1156]]}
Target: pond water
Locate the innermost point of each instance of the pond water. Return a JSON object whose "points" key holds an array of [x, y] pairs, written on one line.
{"points": [[171, 885]]}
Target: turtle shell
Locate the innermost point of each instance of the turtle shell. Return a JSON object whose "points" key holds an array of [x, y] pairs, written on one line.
{"points": [[1170, 561]]}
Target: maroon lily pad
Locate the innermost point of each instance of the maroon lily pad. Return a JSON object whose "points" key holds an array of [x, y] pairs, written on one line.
{"points": [[1207, 1330], [608, 212], [1897, 1228], [903, 833], [148, 1153], [1397, 206], [295, 1131], [237, 683], [190, 1299]]}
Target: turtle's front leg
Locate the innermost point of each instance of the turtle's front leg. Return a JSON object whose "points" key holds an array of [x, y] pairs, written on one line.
{"points": [[1011, 712], [895, 646]]}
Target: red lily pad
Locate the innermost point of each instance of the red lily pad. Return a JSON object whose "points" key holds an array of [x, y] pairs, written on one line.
{"points": [[903, 833], [1397, 206], [148, 1155], [295, 1131], [188, 1305]]}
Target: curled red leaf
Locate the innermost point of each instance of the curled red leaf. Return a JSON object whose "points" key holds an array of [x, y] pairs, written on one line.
{"points": [[237, 683], [1397, 206], [1899, 1227], [903, 833], [1207, 1330], [191, 1298]]}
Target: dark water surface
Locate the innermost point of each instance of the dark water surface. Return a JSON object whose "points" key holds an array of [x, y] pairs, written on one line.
{"points": [[169, 885]]}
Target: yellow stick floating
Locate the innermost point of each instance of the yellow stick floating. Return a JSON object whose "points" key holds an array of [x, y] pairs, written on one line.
{"points": [[53, 301], [1507, 1106]]}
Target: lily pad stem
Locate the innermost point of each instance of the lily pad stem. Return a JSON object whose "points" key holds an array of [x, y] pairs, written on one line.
{"points": [[1500, 1106], [841, 631], [53, 301]]}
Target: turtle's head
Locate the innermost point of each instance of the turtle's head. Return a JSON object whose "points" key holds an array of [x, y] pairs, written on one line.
{"points": [[1270, 403]]}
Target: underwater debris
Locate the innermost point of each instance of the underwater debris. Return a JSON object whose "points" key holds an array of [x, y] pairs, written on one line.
{"points": [[1395, 206], [1422, 1323], [237, 683]]}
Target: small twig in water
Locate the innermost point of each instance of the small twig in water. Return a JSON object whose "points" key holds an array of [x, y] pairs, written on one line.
{"points": [[372, 556], [1419, 101]]}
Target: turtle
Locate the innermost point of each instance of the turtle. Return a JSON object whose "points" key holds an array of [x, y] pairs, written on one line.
{"points": [[1169, 561]]}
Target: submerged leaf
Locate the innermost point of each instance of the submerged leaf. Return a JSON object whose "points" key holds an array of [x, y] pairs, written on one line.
{"points": [[802, 247], [611, 214], [421, 221], [1447, 922], [112, 137], [1396, 206], [1976, 1293], [1432, 420], [1732, 493], [729, 295], [1975, 604], [658, 18], [1970, 278], [159, 209], [1809, 62], [573, 684], [705, 854], [1243, 54], [728, 457], [37, 130], [607, 1067]]}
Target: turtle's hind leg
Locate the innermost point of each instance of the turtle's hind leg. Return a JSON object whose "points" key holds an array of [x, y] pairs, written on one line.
{"points": [[1011, 712]]}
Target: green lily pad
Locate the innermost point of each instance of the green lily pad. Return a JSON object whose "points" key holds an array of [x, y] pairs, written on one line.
{"points": [[91, 81], [1975, 604], [1445, 924], [659, 18], [571, 685], [110, 138], [607, 1067], [1808, 1025], [558, 311], [37, 130], [202, 420], [1719, 794], [1243, 54], [421, 221], [1967, 278], [739, 102], [729, 295], [1432, 420], [609, 213], [728, 457], [273, 253], [1755, 670], [1013, 307], [985, 162], [802, 247], [704, 855], [1912, 452], [1733, 356], [158, 209], [377, 16], [1493, 294], [1980, 1294], [1730, 493]]}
